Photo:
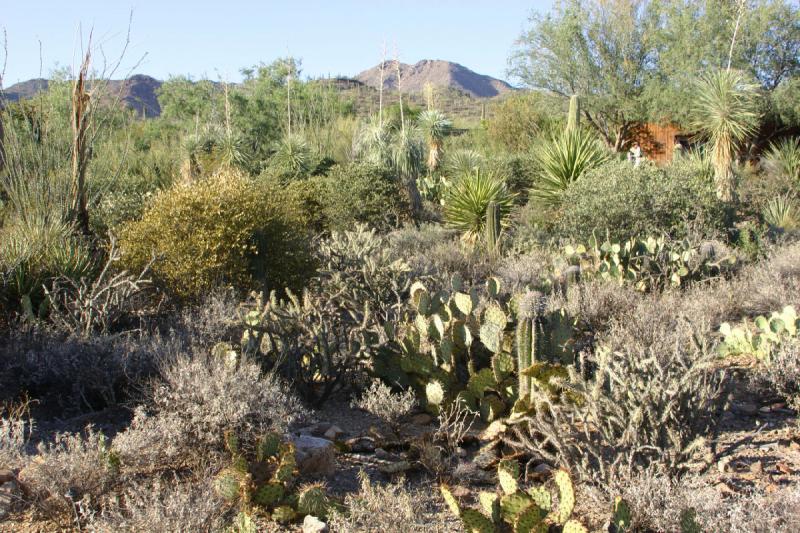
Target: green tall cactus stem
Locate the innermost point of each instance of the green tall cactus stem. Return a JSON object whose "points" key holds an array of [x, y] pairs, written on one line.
{"points": [[526, 339], [492, 228], [574, 117]]}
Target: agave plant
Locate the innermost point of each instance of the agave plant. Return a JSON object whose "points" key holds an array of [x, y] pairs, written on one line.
{"points": [[435, 126], [460, 162], [466, 202], [781, 213], [564, 160], [782, 160], [292, 156], [725, 115]]}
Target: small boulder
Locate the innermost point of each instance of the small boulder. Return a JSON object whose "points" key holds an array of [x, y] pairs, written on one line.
{"points": [[315, 456], [9, 496], [312, 524], [333, 433]]}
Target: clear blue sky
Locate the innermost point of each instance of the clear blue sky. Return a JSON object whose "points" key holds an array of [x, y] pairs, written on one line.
{"points": [[216, 39]]}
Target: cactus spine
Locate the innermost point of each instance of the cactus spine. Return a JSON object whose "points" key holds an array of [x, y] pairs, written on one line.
{"points": [[574, 117], [492, 228]]}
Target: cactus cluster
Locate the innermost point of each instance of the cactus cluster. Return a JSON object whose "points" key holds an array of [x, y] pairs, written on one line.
{"points": [[760, 338], [650, 263], [267, 481], [466, 345], [516, 510]]}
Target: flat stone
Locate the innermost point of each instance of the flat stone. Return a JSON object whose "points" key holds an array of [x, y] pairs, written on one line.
{"points": [[422, 419], [746, 408], [312, 524], [315, 456]]}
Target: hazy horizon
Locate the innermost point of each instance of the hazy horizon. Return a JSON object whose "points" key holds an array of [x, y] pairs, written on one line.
{"points": [[201, 39]]}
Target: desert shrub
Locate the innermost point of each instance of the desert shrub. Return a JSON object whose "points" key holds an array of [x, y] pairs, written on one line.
{"points": [[374, 507], [210, 395], [640, 403], [389, 406], [70, 374], [781, 374], [518, 121], [71, 474], [223, 230], [362, 193], [14, 435], [519, 172], [627, 201], [525, 271], [162, 506], [657, 503], [436, 252]]}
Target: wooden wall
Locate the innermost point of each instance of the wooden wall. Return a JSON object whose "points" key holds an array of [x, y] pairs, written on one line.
{"points": [[657, 141]]}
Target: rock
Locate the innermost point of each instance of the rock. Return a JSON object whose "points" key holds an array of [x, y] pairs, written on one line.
{"points": [[745, 408], [722, 464], [317, 430], [312, 524], [333, 433], [756, 467], [422, 419], [315, 456], [542, 468], [6, 476], [361, 444]]}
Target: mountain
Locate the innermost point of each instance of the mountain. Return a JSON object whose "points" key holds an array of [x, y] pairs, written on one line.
{"points": [[441, 74], [139, 92]]}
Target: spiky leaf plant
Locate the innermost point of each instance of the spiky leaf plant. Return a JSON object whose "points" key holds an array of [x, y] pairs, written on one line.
{"points": [[781, 213], [292, 156], [460, 162], [725, 115], [782, 160], [564, 160], [372, 143], [435, 127], [407, 155], [466, 202]]}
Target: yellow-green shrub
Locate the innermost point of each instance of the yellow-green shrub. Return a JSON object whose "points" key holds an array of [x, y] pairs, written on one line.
{"points": [[227, 230]]}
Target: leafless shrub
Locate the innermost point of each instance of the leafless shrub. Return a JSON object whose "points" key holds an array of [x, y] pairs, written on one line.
{"points": [[379, 400], [198, 399], [781, 374], [455, 422], [71, 473], [633, 405], [391, 507], [15, 431], [215, 319], [89, 307], [594, 302], [162, 506], [656, 504], [525, 271]]}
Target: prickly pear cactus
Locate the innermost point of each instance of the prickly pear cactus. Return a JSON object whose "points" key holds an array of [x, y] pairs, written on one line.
{"points": [[621, 516], [517, 510]]}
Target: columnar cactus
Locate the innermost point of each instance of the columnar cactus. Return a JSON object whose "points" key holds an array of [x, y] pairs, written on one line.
{"points": [[526, 341]]}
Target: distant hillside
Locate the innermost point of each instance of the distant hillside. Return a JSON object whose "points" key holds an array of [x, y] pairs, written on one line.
{"points": [[137, 92], [441, 74]]}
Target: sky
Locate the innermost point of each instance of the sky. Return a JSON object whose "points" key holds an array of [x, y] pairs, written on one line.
{"points": [[216, 39]]}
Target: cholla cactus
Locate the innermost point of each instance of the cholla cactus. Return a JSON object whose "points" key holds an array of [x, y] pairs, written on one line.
{"points": [[516, 509]]}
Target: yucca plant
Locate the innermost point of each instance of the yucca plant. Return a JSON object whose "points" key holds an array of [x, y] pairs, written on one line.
{"points": [[292, 156], [564, 160], [781, 213], [435, 127], [725, 115], [372, 143], [782, 160], [463, 161], [407, 153], [467, 200]]}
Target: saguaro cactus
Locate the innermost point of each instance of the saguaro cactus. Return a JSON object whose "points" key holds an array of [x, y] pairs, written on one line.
{"points": [[526, 340]]}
